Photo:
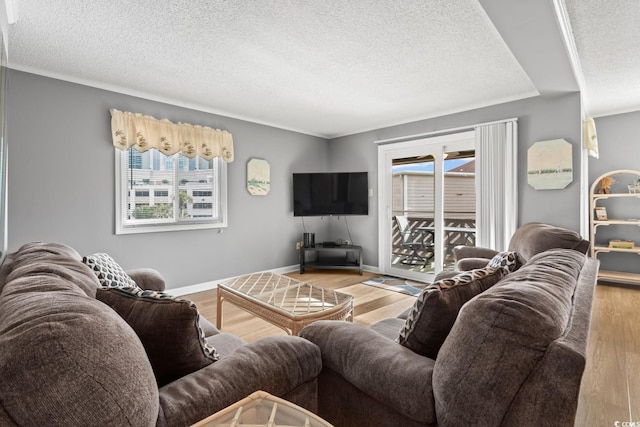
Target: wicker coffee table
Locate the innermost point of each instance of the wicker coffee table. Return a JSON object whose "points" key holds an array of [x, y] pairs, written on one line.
{"points": [[285, 302], [260, 409]]}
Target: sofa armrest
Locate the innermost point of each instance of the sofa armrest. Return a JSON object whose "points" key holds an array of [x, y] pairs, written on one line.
{"points": [[467, 264], [276, 364], [148, 279], [445, 274], [377, 366], [461, 252]]}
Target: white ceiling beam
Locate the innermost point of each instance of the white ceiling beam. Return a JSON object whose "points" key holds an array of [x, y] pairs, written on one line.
{"points": [[532, 32]]}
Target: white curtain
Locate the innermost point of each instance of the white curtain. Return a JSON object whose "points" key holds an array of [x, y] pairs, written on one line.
{"points": [[146, 132], [496, 183]]}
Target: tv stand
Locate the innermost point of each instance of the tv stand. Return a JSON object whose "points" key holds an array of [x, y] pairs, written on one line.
{"points": [[334, 257]]}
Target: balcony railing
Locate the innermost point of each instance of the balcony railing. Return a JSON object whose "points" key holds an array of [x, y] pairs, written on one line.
{"points": [[456, 232]]}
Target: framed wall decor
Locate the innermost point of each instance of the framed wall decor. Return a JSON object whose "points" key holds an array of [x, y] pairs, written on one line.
{"points": [[258, 177], [550, 164]]}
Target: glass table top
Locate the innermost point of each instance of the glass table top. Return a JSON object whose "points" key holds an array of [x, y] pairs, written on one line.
{"points": [[286, 293]]}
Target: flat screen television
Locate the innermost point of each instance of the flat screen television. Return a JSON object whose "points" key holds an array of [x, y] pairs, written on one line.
{"points": [[330, 193]]}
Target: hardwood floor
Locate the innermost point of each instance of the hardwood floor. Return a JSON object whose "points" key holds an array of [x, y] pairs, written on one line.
{"points": [[610, 389], [611, 383], [370, 304]]}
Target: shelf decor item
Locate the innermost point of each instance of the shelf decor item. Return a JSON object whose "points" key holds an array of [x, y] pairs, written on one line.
{"points": [[601, 213], [604, 185], [621, 244], [635, 187]]}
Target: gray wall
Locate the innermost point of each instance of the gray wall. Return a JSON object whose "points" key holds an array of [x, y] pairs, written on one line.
{"points": [[539, 119], [619, 148], [62, 184], [61, 179]]}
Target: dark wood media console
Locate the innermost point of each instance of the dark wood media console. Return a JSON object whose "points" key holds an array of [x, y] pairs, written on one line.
{"points": [[342, 256]]}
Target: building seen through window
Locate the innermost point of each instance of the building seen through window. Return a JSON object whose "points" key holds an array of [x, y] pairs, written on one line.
{"points": [[174, 189]]}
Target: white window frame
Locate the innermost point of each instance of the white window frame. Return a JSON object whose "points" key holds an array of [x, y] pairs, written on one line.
{"points": [[162, 225]]}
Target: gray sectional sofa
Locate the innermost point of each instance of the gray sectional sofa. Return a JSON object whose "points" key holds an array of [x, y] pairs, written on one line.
{"points": [[488, 347], [514, 355], [72, 354]]}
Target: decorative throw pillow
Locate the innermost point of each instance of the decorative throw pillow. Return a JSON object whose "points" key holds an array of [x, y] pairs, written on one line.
{"points": [[436, 309], [507, 259], [168, 327], [109, 273]]}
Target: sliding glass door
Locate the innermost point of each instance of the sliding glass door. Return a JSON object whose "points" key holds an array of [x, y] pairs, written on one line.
{"points": [[427, 204]]}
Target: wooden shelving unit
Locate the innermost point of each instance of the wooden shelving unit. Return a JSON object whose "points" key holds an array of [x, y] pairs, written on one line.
{"points": [[599, 247]]}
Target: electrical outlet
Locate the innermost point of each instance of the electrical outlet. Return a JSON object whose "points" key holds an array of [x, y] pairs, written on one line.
{"points": [[298, 245]]}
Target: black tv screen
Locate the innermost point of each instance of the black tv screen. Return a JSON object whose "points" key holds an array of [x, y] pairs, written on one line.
{"points": [[338, 193]]}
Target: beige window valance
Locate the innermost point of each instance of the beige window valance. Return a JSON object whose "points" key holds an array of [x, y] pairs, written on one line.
{"points": [[146, 132]]}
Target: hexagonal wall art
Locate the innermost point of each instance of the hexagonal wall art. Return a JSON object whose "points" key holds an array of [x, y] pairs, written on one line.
{"points": [[550, 164], [258, 177]]}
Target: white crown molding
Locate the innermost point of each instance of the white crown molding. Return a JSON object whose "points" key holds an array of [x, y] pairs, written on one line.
{"points": [[205, 109], [151, 97]]}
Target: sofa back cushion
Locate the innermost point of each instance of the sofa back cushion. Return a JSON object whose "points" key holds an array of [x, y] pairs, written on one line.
{"points": [[500, 339], [436, 308], [49, 258], [168, 327], [66, 358], [535, 237]]}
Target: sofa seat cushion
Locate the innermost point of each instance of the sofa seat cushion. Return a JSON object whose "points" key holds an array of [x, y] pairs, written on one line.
{"points": [[99, 373], [277, 364], [436, 309], [390, 328], [208, 329], [381, 368], [225, 344], [168, 327], [501, 336]]}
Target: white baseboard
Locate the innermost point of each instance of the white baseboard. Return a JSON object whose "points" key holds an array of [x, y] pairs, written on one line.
{"points": [[207, 286]]}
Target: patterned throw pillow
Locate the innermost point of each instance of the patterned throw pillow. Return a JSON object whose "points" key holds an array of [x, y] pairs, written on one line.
{"points": [[436, 309], [507, 259], [109, 273], [168, 327]]}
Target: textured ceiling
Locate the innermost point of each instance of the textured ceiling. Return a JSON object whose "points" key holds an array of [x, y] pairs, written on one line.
{"points": [[326, 68], [607, 37]]}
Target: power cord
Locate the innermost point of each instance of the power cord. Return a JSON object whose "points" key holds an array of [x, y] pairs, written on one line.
{"points": [[348, 232]]}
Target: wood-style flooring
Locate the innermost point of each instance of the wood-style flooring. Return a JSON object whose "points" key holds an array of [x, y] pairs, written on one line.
{"points": [[611, 383], [610, 389]]}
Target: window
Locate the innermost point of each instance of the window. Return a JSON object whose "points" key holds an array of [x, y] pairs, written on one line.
{"points": [[155, 192]]}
